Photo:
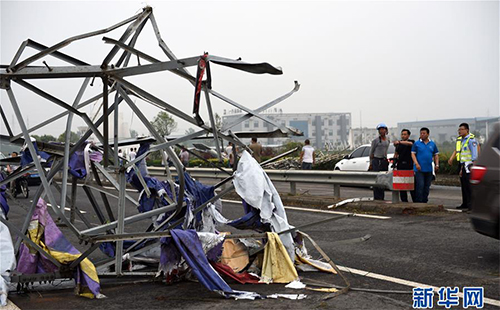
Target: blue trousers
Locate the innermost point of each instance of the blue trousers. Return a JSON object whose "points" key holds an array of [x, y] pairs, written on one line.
{"points": [[307, 166], [423, 183]]}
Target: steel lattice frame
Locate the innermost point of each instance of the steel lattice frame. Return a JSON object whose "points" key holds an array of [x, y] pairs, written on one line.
{"points": [[113, 77]]}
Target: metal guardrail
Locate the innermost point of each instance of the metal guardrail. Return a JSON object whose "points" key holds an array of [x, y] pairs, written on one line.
{"points": [[335, 178]]}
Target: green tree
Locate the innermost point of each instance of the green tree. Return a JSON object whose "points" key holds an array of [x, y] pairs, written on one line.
{"points": [[164, 124], [290, 144], [45, 138], [73, 138]]}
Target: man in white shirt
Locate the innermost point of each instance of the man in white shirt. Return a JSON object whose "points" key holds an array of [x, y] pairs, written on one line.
{"points": [[132, 154], [307, 157]]}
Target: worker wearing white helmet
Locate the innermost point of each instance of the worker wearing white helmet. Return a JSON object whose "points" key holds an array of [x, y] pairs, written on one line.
{"points": [[378, 157]]}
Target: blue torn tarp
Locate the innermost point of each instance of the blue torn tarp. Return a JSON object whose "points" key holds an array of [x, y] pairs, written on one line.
{"points": [[251, 220], [3, 199], [26, 157], [187, 244], [77, 163]]}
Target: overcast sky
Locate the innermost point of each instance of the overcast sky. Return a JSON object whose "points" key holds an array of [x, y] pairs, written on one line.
{"points": [[382, 61]]}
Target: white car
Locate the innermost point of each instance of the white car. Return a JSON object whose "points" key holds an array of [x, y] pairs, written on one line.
{"points": [[359, 159]]}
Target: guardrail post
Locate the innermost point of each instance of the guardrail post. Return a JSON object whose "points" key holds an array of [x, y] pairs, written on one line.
{"points": [[395, 196], [293, 188], [336, 191]]}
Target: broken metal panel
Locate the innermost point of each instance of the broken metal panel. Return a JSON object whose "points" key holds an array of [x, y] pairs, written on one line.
{"points": [[258, 68]]}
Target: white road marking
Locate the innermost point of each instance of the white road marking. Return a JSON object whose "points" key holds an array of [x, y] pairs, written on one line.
{"points": [[490, 301], [453, 210], [379, 217]]}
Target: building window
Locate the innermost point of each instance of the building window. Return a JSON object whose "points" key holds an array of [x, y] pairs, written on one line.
{"points": [[330, 122], [256, 124], [247, 124]]}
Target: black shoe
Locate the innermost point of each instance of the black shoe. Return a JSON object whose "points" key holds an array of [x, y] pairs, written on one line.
{"points": [[462, 207]]}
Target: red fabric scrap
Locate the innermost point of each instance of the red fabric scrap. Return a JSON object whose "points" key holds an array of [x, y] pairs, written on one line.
{"points": [[242, 278]]}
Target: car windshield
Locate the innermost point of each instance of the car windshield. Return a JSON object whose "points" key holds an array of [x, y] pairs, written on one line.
{"points": [[358, 152]]}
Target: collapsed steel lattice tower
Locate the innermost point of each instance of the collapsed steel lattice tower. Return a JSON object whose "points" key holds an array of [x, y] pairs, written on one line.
{"points": [[113, 169]]}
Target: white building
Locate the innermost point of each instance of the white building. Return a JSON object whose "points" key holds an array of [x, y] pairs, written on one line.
{"points": [[445, 130], [324, 130]]}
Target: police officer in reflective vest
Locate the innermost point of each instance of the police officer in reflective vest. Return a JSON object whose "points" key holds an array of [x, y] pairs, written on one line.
{"points": [[466, 151]]}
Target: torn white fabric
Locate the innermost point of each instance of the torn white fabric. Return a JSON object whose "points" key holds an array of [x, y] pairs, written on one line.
{"points": [[7, 260], [209, 240], [211, 218], [297, 285], [254, 186], [288, 296]]}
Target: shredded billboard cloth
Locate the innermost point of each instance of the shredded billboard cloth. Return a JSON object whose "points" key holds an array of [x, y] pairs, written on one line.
{"points": [[3, 198], [254, 186], [7, 260], [186, 243], [277, 267], [44, 232]]}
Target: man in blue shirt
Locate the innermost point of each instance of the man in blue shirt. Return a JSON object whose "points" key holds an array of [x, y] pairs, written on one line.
{"points": [[423, 152]]}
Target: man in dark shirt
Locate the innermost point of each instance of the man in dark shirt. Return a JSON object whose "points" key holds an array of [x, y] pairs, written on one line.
{"points": [[256, 149], [404, 160]]}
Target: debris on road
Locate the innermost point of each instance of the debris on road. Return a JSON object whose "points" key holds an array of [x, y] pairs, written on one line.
{"points": [[346, 201]]}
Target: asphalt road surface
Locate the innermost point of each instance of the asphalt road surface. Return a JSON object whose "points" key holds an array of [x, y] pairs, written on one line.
{"points": [[403, 251]]}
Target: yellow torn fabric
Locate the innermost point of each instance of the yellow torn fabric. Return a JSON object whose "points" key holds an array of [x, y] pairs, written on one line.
{"points": [[324, 289], [316, 264], [35, 233], [277, 267], [234, 254]]}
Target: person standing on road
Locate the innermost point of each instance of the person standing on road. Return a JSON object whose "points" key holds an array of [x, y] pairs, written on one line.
{"points": [[423, 152], [466, 151], [307, 157], [378, 157], [184, 157], [229, 150], [256, 150], [404, 160], [132, 154]]}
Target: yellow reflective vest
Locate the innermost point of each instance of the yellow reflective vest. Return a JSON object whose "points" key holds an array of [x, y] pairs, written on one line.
{"points": [[463, 150]]}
